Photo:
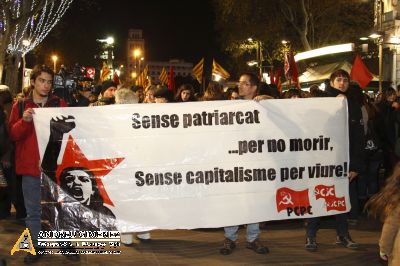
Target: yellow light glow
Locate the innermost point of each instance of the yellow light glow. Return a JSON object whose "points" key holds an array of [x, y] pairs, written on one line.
{"points": [[137, 53], [54, 58], [134, 75]]}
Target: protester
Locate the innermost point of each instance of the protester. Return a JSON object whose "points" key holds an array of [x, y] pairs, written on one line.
{"points": [[126, 96], [163, 95], [213, 92], [385, 204], [389, 128], [185, 94], [138, 90], [106, 96], [232, 93], [367, 181], [149, 94], [22, 131], [339, 84], [248, 84], [12, 193]]}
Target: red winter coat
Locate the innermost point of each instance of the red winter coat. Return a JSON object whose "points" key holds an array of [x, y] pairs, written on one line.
{"points": [[27, 158]]}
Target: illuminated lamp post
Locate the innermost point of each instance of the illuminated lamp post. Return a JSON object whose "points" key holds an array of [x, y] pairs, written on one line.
{"points": [[54, 58]]}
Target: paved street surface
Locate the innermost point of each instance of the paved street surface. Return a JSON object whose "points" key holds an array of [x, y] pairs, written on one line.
{"points": [[285, 239]]}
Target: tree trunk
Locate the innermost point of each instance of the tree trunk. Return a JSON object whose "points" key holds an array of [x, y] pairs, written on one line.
{"points": [[12, 73], [304, 41], [2, 60]]}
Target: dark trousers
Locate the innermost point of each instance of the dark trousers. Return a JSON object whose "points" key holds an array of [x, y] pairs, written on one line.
{"points": [[368, 183], [12, 194], [342, 227]]}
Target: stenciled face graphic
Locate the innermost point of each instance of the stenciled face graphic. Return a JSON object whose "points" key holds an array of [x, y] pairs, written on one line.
{"points": [[79, 185]]}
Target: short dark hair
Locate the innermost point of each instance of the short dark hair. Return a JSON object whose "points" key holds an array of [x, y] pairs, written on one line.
{"points": [[253, 78], [339, 73], [38, 69]]}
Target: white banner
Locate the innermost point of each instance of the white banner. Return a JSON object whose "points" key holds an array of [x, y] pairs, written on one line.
{"points": [[199, 165]]}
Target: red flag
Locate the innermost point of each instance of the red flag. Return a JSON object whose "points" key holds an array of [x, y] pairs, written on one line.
{"points": [[295, 72], [288, 198], [171, 81], [328, 193], [271, 77], [290, 67], [360, 73], [337, 204], [278, 80], [116, 78], [324, 192]]}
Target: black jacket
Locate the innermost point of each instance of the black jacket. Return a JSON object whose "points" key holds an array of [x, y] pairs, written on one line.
{"points": [[356, 131]]}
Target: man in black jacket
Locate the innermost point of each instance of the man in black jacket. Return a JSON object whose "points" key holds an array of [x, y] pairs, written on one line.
{"points": [[339, 84]]}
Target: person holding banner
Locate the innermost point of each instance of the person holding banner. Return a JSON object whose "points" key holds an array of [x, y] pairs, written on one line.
{"points": [[127, 96], [248, 87], [385, 205], [339, 85], [22, 131]]}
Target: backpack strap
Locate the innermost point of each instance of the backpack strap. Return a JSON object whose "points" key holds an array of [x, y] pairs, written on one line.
{"points": [[21, 107]]}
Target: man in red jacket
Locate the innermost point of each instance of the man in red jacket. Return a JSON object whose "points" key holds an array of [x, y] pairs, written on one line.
{"points": [[22, 131]]}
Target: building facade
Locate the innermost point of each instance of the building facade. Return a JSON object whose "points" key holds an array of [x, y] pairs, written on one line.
{"points": [[136, 60], [387, 22], [135, 52]]}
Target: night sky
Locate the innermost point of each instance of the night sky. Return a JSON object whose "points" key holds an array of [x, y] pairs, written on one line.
{"points": [[172, 30]]}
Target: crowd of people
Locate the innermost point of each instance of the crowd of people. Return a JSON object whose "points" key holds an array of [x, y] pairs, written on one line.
{"points": [[374, 135]]}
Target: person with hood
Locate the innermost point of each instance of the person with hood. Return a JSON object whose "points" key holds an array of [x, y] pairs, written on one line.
{"points": [[106, 96]]}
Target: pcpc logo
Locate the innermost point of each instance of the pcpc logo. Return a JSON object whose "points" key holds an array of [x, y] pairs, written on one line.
{"points": [[328, 193], [294, 202]]}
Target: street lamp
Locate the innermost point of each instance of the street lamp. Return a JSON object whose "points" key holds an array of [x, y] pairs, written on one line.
{"points": [[140, 60], [136, 54], [133, 75], [378, 38], [54, 58], [259, 55]]}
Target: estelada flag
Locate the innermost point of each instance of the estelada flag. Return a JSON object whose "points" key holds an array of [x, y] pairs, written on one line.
{"points": [[105, 73], [360, 73], [163, 76], [288, 198], [171, 81], [144, 74], [217, 69], [142, 78], [198, 71]]}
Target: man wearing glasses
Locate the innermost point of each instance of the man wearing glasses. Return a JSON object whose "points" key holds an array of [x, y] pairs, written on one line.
{"points": [[248, 84]]}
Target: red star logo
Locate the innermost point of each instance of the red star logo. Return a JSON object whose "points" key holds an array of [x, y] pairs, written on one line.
{"points": [[74, 157]]}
